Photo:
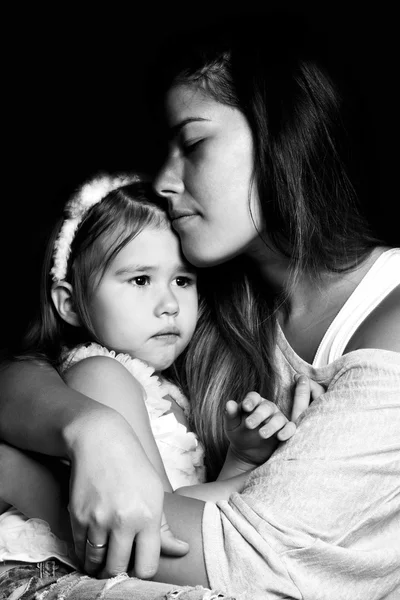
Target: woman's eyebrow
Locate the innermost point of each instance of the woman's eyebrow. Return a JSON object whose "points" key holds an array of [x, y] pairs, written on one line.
{"points": [[177, 128]]}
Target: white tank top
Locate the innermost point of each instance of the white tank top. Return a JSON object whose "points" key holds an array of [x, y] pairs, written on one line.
{"points": [[381, 279]]}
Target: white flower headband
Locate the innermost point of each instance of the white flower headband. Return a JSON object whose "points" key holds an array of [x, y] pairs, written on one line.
{"points": [[88, 195]]}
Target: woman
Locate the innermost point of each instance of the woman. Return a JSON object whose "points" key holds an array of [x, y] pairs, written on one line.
{"points": [[261, 178]]}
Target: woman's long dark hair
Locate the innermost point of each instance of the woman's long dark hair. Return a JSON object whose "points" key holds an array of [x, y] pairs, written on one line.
{"points": [[310, 177], [310, 165]]}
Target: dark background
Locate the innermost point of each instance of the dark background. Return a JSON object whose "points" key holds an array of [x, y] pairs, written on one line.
{"points": [[74, 106]]}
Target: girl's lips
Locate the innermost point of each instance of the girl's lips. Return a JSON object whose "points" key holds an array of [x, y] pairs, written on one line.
{"points": [[166, 338], [167, 331]]}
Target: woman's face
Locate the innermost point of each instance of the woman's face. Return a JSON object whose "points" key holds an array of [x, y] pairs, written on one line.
{"points": [[206, 177]]}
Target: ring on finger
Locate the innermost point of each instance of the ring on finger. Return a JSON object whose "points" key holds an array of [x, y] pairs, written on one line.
{"points": [[95, 546]]}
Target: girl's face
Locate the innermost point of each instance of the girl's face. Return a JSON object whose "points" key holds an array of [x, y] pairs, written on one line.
{"points": [[206, 177], [146, 303]]}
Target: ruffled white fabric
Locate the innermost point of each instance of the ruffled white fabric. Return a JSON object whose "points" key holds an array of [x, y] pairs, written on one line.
{"points": [[31, 540], [180, 450]]}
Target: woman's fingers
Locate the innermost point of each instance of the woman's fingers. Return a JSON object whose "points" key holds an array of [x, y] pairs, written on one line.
{"points": [[306, 390], [302, 397], [170, 545], [316, 389], [123, 507], [119, 551], [147, 552], [96, 551], [79, 536]]}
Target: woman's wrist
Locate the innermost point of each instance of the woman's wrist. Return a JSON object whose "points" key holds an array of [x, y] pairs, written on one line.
{"points": [[93, 425]]}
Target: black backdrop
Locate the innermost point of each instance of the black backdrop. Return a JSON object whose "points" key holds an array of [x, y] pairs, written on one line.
{"points": [[74, 106]]}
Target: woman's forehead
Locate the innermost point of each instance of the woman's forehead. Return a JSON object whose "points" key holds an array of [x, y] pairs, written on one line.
{"points": [[187, 105], [185, 101]]}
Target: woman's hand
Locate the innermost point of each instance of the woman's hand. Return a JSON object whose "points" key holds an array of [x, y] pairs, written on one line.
{"points": [[116, 500], [256, 426]]}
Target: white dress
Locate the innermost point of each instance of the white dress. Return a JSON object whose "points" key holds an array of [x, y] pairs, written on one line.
{"points": [[180, 450], [31, 540]]}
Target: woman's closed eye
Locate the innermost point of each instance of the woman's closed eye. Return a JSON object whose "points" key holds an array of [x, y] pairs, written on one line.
{"points": [[191, 145]]}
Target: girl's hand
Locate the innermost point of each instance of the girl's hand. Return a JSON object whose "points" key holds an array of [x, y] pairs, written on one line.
{"points": [[118, 507], [256, 426]]}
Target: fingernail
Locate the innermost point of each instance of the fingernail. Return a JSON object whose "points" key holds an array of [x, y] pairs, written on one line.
{"points": [[301, 379], [264, 433], [250, 422]]}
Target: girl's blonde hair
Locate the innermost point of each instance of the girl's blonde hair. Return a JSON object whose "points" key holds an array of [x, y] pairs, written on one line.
{"points": [[105, 229], [230, 353]]}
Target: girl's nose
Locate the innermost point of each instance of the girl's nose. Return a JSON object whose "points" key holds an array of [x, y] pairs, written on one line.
{"points": [[169, 180], [167, 304]]}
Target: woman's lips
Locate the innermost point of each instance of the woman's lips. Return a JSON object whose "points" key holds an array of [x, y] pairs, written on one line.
{"points": [[182, 220]]}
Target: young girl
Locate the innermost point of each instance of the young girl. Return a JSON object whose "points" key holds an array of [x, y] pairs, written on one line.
{"points": [[119, 306]]}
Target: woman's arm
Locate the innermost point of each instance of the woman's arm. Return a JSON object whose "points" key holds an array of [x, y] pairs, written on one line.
{"points": [[109, 382], [50, 409], [124, 502], [34, 488]]}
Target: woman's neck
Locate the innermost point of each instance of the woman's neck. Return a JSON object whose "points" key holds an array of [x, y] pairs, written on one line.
{"points": [[310, 305]]}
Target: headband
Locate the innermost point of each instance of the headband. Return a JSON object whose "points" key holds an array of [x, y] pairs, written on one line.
{"points": [[89, 194]]}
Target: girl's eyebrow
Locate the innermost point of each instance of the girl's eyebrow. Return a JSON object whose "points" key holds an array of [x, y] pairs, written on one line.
{"points": [[135, 269], [177, 128], [128, 269]]}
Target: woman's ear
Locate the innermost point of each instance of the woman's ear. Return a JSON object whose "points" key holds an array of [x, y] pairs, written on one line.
{"points": [[61, 294]]}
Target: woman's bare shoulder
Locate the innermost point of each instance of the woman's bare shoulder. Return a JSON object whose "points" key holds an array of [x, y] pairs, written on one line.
{"points": [[381, 329]]}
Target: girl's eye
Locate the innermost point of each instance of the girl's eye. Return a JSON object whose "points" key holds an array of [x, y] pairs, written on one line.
{"points": [[140, 280], [184, 281]]}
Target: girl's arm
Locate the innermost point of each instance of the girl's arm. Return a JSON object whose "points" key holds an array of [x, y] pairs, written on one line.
{"points": [[254, 429], [39, 412]]}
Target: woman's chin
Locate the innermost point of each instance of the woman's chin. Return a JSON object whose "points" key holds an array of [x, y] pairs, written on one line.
{"points": [[203, 260]]}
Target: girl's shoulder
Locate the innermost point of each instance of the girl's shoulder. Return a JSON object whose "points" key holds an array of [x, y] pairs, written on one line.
{"points": [[140, 370], [93, 359]]}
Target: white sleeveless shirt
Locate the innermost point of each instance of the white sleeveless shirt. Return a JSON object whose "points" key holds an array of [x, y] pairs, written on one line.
{"points": [[380, 280]]}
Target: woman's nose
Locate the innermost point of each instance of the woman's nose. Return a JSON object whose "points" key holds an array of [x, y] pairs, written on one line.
{"points": [[169, 180], [167, 304]]}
